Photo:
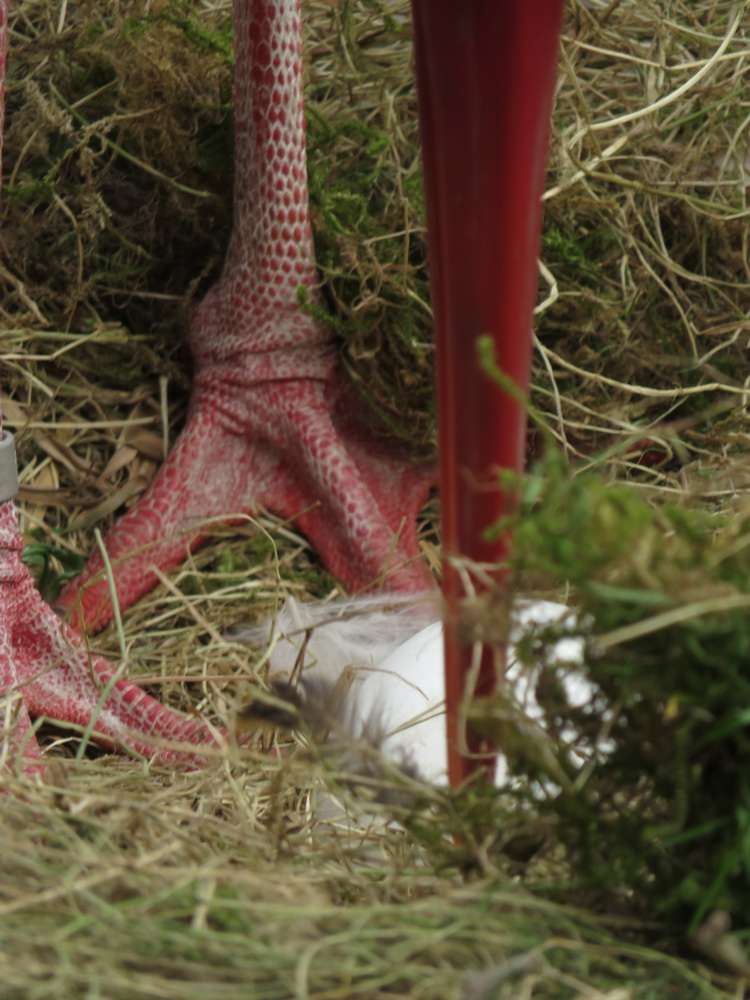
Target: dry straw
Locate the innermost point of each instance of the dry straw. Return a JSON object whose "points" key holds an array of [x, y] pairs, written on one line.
{"points": [[119, 880]]}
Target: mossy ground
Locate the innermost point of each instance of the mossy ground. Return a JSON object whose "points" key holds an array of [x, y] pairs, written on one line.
{"points": [[121, 880]]}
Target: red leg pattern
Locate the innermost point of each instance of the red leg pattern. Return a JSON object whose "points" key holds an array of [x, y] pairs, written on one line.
{"points": [[270, 423], [46, 664]]}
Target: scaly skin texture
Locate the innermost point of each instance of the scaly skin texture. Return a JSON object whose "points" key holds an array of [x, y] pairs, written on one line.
{"points": [[46, 664], [46, 670], [270, 423]]}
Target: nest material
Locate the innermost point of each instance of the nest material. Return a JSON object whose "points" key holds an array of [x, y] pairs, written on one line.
{"points": [[115, 217]]}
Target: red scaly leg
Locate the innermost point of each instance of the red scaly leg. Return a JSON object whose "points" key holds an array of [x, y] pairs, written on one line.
{"points": [[17, 740], [44, 663], [486, 76], [270, 422]]}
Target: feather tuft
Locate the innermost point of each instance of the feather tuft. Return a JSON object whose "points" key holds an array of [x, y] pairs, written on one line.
{"points": [[357, 631], [368, 674]]}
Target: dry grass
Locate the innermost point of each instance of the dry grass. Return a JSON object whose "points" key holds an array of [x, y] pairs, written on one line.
{"points": [[646, 236], [122, 881], [119, 884]]}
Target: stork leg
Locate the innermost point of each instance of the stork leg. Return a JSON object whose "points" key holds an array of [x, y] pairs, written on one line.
{"points": [[486, 76], [270, 422], [46, 670]]}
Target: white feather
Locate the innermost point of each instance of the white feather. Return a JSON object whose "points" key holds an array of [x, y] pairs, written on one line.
{"points": [[358, 631], [393, 647]]}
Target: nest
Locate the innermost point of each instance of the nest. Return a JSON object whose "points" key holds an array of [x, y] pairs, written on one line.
{"points": [[115, 218]]}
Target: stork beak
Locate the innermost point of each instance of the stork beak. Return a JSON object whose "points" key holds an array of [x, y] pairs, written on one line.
{"points": [[486, 74]]}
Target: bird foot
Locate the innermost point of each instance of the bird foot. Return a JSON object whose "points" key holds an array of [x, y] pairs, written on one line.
{"points": [[46, 670], [270, 423], [276, 429]]}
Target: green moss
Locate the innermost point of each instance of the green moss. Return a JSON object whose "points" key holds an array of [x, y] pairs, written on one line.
{"points": [[663, 596], [51, 566]]}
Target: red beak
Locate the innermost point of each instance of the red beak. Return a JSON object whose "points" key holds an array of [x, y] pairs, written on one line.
{"points": [[486, 75]]}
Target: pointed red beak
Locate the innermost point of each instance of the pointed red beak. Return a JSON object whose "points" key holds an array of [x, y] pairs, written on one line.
{"points": [[486, 75]]}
